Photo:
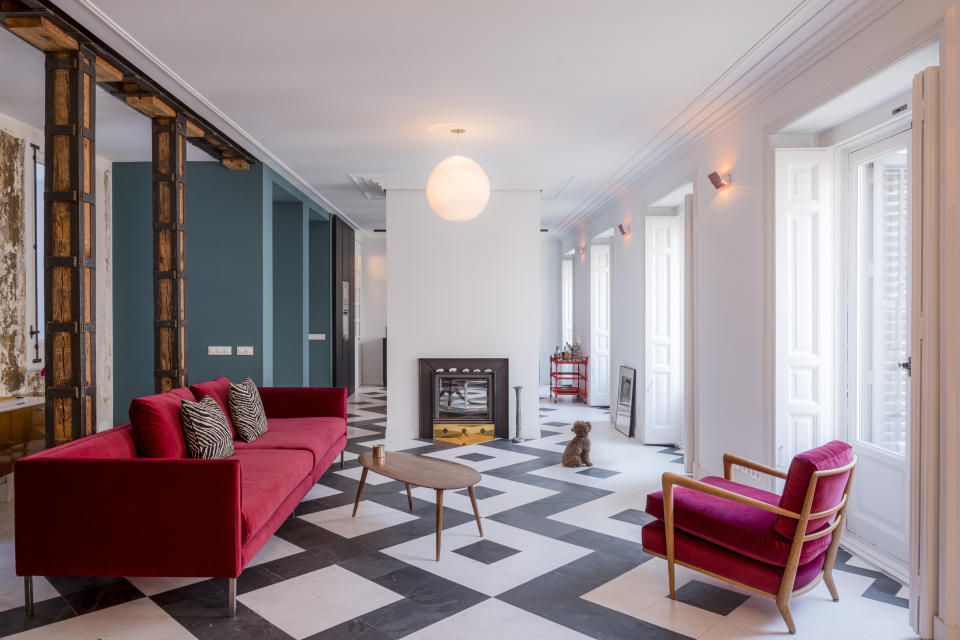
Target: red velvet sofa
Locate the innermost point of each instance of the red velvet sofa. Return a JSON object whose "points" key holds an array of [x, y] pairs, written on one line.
{"points": [[129, 502]]}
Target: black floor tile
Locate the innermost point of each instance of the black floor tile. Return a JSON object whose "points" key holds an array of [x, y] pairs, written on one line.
{"points": [[633, 516], [481, 492], [707, 596], [92, 594], [486, 551], [475, 457], [597, 472], [46, 612]]}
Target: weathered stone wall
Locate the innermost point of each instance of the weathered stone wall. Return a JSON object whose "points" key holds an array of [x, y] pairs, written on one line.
{"points": [[13, 329]]}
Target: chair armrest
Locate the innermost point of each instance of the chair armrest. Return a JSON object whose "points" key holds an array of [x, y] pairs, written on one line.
{"points": [[304, 402], [671, 479], [128, 517], [730, 459]]}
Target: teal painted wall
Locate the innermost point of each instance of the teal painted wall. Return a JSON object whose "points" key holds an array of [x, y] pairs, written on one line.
{"points": [[321, 299], [230, 276], [289, 329]]}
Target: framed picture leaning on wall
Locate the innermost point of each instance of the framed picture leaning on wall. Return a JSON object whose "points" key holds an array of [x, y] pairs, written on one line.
{"points": [[625, 417]]}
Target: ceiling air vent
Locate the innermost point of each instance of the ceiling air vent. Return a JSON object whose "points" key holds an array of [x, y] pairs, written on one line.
{"points": [[370, 189]]}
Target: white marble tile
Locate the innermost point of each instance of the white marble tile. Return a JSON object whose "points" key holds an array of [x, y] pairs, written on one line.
{"points": [[358, 432], [495, 620], [11, 589], [355, 473], [498, 457], [596, 514], [319, 491], [274, 549], [153, 586], [538, 555], [371, 516], [318, 600], [114, 623], [514, 495]]}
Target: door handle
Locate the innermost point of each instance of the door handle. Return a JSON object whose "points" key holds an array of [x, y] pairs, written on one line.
{"points": [[907, 366]]}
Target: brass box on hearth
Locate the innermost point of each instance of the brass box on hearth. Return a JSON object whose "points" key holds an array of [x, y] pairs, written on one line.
{"points": [[462, 433]]}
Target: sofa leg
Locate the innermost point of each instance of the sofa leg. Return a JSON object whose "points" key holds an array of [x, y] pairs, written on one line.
{"points": [[28, 595], [341, 459], [784, 607], [232, 597]]}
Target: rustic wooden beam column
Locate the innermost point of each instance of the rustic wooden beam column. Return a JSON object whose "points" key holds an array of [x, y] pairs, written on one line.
{"points": [[69, 209], [169, 257]]}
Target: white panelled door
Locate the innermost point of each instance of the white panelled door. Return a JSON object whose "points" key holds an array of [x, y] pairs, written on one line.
{"points": [[600, 324], [663, 346], [805, 290], [879, 344]]}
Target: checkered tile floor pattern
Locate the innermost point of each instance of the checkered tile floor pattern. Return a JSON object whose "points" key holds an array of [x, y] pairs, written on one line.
{"points": [[560, 559]]}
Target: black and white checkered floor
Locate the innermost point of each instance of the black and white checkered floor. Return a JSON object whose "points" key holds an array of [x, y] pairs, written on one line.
{"points": [[560, 559]]}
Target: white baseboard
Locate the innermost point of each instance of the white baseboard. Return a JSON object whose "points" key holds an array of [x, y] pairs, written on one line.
{"points": [[873, 556]]}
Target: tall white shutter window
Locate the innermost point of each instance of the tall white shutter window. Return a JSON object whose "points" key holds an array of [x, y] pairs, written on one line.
{"points": [[804, 344]]}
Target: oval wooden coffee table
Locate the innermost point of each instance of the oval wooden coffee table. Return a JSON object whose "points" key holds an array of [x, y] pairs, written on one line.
{"points": [[422, 471]]}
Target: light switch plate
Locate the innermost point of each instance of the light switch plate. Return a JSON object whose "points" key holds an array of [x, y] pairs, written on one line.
{"points": [[244, 351], [220, 351]]}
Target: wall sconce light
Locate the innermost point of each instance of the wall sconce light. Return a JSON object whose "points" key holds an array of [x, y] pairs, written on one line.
{"points": [[720, 181], [624, 229], [581, 252]]}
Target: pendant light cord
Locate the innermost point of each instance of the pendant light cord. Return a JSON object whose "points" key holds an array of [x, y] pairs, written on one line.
{"points": [[458, 131]]}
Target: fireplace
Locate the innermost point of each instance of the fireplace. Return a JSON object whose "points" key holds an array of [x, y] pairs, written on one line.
{"points": [[464, 400]]}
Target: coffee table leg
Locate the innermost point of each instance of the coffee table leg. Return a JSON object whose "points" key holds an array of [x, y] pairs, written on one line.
{"points": [[476, 512], [439, 519], [363, 479], [409, 497]]}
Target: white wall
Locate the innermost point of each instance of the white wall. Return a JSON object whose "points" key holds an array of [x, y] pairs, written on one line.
{"points": [[373, 308], [462, 289], [550, 300], [733, 295]]}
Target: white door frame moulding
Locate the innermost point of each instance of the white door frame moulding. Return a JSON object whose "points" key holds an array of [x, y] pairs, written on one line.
{"points": [[811, 31], [945, 578]]}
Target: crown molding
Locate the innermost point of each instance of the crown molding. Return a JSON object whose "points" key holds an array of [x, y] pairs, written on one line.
{"points": [[97, 21], [410, 183], [811, 31]]}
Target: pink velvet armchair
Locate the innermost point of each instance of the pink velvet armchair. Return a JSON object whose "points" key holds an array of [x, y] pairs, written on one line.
{"points": [[776, 546]]}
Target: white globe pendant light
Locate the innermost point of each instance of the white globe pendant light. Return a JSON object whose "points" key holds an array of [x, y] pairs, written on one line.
{"points": [[458, 188]]}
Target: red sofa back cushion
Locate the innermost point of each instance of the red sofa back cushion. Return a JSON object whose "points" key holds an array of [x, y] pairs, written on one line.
{"points": [[829, 489], [219, 390], [156, 424], [112, 443]]}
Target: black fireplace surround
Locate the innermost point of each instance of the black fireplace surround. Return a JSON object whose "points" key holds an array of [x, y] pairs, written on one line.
{"points": [[485, 381]]}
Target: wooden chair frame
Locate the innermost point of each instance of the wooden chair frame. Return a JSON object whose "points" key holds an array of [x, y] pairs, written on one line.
{"points": [[786, 591]]}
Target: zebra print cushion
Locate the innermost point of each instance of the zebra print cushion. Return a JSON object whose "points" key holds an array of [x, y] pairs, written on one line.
{"points": [[206, 430], [246, 410]]}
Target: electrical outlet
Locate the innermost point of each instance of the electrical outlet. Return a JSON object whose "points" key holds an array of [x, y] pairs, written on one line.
{"points": [[244, 351], [750, 472], [219, 351]]}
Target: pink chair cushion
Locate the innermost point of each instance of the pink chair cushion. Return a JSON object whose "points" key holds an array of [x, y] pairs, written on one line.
{"points": [[156, 424], [699, 553], [267, 478], [734, 526], [219, 390], [315, 435], [829, 490]]}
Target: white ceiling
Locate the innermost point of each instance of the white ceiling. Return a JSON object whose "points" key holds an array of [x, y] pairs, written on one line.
{"points": [[561, 92]]}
